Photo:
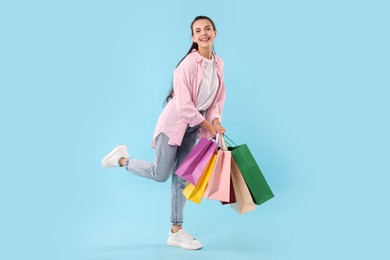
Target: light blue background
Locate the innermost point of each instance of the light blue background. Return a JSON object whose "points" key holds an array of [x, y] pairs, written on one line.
{"points": [[308, 91]]}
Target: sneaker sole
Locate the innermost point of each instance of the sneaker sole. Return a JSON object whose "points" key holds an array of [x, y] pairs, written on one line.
{"points": [[183, 245]]}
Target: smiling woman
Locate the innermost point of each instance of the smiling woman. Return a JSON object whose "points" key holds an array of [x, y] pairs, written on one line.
{"points": [[209, 33], [204, 36], [193, 109]]}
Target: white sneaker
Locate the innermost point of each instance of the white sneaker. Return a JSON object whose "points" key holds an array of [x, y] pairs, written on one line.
{"points": [[183, 239], [112, 159]]}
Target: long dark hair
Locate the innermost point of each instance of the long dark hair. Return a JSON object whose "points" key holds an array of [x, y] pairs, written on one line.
{"points": [[193, 46]]}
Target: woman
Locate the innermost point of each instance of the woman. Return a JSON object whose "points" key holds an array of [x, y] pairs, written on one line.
{"points": [[194, 108]]}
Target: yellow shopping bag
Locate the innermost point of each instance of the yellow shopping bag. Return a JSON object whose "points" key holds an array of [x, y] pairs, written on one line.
{"points": [[195, 192]]}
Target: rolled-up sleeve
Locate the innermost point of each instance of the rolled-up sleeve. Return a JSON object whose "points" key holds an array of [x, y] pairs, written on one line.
{"points": [[183, 84]]}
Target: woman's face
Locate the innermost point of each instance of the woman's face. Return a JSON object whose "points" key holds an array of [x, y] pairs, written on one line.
{"points": [[204, 33]]}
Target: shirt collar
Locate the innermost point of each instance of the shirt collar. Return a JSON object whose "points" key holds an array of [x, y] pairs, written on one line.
{"points": [[199, 58]]}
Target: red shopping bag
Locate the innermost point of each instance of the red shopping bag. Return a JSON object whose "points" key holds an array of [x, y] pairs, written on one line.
{"points": [[196, 161]]}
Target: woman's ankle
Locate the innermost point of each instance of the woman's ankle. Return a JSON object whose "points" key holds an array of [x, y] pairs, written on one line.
{"points": [[122, 162], [175, 228]]}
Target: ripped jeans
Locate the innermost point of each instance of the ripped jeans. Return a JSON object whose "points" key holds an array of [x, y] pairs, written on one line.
{"points": [[167, 159]]}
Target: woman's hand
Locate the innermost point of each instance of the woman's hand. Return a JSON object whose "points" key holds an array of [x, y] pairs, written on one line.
{"points": [[213, 128], [210, 128], [220, 129]]}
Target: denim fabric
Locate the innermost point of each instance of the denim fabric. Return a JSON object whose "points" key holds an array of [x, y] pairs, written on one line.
{"points": [[168, 158]]}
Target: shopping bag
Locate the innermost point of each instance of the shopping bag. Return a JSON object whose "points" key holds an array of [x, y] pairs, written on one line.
{"points": [[218, 187], [252, 174], [195, 192], [232, 197], [244, 202], [194, 164]]}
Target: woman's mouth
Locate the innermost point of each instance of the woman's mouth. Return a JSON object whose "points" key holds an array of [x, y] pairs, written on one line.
{"points": [[205, 40]]}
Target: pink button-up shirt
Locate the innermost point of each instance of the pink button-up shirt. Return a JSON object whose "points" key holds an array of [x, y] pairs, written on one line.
{"points": [[181, 112]]}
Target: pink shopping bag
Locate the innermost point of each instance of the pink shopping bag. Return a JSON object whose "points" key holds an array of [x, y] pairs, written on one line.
{"points": [[232, 196], [218, 187], [195, 193], [196, 161]]}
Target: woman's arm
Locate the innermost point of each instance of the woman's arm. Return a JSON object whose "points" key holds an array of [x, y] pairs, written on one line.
{"points": [[183, 77]]}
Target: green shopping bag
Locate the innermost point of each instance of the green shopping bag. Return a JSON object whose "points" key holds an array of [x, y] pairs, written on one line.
{"points": [[251, 172]]}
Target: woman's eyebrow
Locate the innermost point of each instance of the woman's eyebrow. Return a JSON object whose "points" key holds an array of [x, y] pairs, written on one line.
{"points": [[198, 28]]}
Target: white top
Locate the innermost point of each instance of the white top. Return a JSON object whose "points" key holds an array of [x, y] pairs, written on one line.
{"points": [[208, 86]]}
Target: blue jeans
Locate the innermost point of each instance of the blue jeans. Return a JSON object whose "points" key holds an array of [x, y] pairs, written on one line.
{"points": [[167, 159]]}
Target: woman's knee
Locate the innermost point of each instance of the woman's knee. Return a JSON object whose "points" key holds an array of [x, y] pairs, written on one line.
{"points": [[162, 174], [162, 177]]}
